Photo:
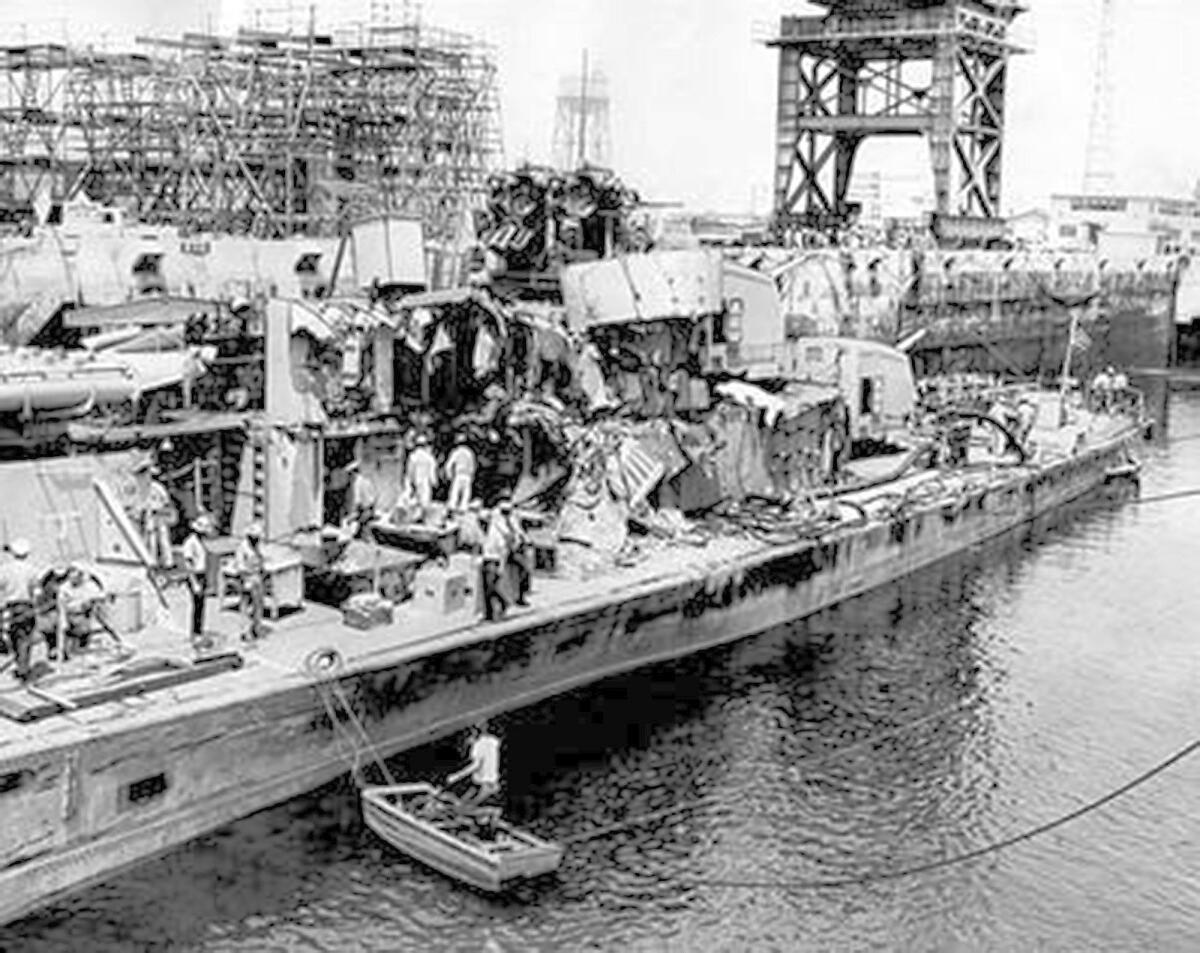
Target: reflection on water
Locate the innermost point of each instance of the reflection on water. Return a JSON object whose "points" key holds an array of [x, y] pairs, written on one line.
{"points": [[1036, 673]]}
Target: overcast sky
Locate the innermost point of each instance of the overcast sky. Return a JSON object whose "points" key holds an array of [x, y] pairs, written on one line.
{"points": [[693, 94]]}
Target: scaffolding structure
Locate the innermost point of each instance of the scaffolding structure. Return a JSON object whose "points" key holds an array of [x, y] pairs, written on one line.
{"points": [[264, 134], [935, 68], [334, 17]]}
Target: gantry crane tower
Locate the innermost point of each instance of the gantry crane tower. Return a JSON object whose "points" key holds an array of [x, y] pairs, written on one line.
{"points": [[933, 68]]}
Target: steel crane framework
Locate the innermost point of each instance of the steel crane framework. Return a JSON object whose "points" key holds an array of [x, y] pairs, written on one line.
{"points": [[934, 68]]}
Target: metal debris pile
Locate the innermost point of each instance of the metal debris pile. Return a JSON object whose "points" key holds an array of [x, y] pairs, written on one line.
{"points": [[536, 216]]}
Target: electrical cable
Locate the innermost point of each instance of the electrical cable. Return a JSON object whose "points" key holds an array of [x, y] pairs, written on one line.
{"points": [[995, 847], [696, 803]]}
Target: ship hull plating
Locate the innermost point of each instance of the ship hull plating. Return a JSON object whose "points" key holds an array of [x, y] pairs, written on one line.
{"points": [[78, 814]]}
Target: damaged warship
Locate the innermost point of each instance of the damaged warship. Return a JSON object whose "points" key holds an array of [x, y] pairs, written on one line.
{"points": [[687, 470]]}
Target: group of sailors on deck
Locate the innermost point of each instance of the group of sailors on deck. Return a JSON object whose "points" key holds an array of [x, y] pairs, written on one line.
{"points": [[1109, 390], [499, 537], [62, 604], [421, 477]]}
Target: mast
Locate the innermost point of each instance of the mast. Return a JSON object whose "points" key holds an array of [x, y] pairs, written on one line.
{"points": [[583, 84]]}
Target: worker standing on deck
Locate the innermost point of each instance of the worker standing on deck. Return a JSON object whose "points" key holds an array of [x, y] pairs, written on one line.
{"points": [[1102, 390], [153, 512], [518, 552], [958, 441], [460, 471], [420, 474], [362, 499], [18, 589], [484, 767], [470, 528], [249, 565], [1120, 391], [195, 558], [999, 413], [80, 598], [1026, 417], [495, 558]]}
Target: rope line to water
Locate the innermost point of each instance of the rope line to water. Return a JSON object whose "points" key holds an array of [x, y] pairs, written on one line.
{"points": [[1163, 497], [682, 807], [324, 666], [997, 846]]}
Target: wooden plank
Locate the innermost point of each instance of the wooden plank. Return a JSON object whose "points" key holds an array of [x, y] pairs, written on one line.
{"points": [[19, 707], [59, 700]]}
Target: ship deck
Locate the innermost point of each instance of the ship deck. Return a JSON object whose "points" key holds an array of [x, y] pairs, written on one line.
{"points": [[420, 627]]}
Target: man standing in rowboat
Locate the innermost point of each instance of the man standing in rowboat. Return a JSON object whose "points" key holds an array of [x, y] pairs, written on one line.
{"points": [[484, 768]]}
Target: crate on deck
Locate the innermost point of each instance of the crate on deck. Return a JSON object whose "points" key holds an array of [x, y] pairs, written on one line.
{"points": [[365, 568], [451, 588], [367, 610]]}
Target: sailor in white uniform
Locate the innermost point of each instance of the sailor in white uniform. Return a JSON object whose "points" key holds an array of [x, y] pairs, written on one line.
{"points": [[484, 768]]}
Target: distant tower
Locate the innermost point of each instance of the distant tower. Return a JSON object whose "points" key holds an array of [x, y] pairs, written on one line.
{"points": [[934, 68], [1099, 174], [581, 128]]}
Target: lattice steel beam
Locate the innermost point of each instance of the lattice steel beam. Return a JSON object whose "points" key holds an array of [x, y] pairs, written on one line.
{"points": [[889, 68], [266, 134]]}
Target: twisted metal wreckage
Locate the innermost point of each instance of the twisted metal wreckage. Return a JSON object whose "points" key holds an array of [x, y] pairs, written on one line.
{"points": [[608, 423]]}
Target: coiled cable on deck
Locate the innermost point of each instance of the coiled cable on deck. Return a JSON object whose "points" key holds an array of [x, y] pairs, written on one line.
{"points": [[971, 855], [324, 663], [324, 666]]}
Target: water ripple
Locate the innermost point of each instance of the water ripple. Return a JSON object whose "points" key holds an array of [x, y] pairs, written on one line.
{"points": [[980, 698]]}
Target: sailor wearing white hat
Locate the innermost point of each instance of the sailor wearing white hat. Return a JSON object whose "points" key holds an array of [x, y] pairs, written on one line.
{"points": [[152, 510], [195, 557], [249, 565], [421, 474], [460, 469], [362, 499]]}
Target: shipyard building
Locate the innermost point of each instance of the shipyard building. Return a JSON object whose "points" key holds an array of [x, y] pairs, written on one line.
{"points": [[1125, 225]]}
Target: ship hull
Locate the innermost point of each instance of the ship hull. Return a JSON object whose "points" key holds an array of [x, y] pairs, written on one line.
{"points": [[86, 811]]}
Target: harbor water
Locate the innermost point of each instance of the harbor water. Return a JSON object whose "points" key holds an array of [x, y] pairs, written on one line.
{"points": [[771, 795]]}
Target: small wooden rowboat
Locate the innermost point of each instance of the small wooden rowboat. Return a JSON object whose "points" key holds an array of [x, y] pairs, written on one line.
{"points": [[440, 831]]}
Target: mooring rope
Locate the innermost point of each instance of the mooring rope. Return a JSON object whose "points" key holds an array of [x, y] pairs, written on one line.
{"points": [[968, 856], [1163, 497], [324, 666]]}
